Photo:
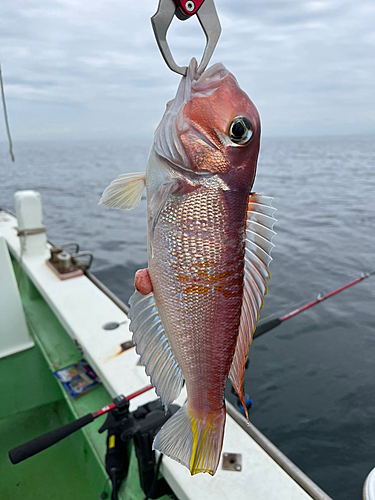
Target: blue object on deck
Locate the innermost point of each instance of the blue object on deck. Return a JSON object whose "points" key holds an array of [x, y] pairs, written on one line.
{"points": [[248, 404]]}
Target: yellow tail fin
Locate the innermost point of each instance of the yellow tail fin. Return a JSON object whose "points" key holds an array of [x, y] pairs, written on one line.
{"points": [[194, 443]]}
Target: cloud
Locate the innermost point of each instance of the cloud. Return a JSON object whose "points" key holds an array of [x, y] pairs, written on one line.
{"points": [[88, 66]]}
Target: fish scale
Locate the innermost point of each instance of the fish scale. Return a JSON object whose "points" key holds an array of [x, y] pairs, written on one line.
{"points": [[196, 285], [209, 242]]}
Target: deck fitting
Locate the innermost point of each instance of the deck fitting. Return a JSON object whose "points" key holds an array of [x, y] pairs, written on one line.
{"points": [[232, 461]]}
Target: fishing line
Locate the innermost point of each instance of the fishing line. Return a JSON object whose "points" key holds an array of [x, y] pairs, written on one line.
{"points": [[6, 117]]}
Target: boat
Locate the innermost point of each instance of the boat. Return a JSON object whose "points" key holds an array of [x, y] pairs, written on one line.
{"points": [[53, 320]]}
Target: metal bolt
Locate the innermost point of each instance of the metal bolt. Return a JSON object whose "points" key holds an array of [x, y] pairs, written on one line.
{"points": [[232, 462], [190, 6], [64, 260], [112, 325], [79, 347]]}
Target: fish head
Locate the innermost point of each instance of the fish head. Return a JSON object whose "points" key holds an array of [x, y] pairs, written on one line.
{"points": [[211, 127]]}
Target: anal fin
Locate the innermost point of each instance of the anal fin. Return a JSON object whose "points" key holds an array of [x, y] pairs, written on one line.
{"points": [[259, 234], [153, 347]]}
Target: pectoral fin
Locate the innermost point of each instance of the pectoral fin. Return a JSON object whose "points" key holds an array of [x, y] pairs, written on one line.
{"points": [[125, 192], [259, 234]]}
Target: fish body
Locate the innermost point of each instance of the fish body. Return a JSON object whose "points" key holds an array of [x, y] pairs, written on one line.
{"points": [[208, 259]]}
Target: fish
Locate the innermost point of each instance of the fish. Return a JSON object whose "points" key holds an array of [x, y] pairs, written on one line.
{"points": [[209, 245]]}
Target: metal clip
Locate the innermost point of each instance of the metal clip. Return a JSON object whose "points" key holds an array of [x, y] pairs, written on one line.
{"points": [[67, 265], [208, 18], [79, 263]]}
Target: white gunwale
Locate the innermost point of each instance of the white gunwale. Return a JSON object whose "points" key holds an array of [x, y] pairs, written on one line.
{"points": [[83, 309]]}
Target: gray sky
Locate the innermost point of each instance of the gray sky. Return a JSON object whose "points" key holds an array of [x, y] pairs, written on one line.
{"points": [[90, 69]]}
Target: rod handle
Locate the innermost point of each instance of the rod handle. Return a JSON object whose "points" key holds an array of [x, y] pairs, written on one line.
{"points": [[261, 329], [42, 442]]}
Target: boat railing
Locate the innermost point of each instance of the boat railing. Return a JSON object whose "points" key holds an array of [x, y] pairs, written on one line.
{"points": [[282, 460]]}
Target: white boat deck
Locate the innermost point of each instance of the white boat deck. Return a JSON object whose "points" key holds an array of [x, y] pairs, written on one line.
{"points": [[83, 309]]}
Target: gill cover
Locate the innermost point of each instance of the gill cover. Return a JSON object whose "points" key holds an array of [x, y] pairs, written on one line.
{"points": [[167, 141]]}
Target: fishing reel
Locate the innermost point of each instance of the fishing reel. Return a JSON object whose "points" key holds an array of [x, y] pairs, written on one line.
{"points": [[117, 457], [141, 426]]}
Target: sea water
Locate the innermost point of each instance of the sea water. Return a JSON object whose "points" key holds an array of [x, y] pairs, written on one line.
{"points": [[312, 378]]}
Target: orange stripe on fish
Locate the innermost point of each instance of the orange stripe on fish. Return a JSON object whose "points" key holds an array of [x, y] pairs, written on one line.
{"points": [[196, 289]]}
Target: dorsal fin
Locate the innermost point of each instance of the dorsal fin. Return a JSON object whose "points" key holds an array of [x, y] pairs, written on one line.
{"points": [[259, 234], [153, 347]]}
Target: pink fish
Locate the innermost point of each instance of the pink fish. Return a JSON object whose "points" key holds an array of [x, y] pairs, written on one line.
{"points": [[209, 244]]}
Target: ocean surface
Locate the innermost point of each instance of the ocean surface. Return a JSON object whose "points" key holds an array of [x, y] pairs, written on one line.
{"points": [[312, 378]]}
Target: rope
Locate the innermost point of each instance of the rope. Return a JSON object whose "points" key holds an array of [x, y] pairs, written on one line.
{"points": [[22, 234], [31, 232]]}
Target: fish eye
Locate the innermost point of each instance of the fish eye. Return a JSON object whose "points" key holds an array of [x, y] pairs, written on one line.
{"points": [[240, 130]]}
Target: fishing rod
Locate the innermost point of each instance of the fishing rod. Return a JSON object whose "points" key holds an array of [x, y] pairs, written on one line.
{"points": [[42, 442], [269, 325], [266, 326], [6, 117]]}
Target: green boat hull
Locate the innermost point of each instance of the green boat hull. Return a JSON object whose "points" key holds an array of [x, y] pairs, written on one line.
{"points": [[34, 402]]}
